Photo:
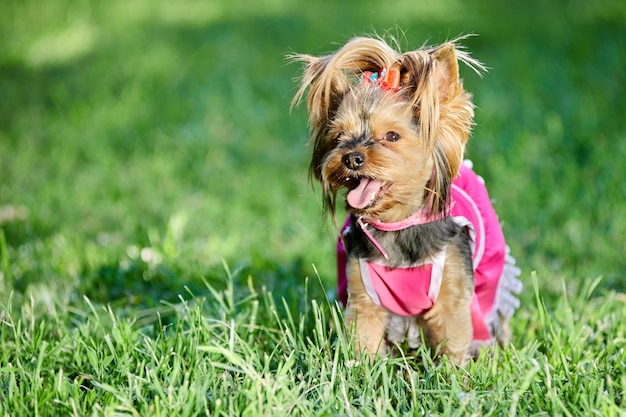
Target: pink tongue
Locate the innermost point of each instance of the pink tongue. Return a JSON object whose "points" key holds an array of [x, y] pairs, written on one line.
{"points": [[364, 193]]}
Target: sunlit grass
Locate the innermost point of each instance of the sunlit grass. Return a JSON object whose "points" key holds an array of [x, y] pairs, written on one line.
{"points": [[247, 353]]}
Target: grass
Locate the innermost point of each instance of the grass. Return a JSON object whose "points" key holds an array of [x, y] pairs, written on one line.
{"points": [[246, 355], [161, 252]]}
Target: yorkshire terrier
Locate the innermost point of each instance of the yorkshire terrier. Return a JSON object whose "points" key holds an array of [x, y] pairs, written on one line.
{"points": [[422, 251]]}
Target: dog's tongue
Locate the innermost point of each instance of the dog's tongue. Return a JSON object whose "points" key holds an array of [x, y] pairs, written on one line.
{"points": [[364, 193]]}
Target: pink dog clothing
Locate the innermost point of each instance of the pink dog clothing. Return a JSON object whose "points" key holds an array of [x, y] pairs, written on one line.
{"points": [[412, 290]]}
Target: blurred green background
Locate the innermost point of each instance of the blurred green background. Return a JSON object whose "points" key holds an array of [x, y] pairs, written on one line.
{"points": [[143, 143]]}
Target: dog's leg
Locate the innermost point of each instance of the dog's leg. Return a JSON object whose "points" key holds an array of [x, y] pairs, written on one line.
{"points": [[370, 320], [504, 331], [448, 323]]}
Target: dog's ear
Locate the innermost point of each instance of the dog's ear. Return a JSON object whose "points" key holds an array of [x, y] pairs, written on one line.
{"points": [[455, 111], [329, 77], [327, 84], [444, 110], [446, 72]]}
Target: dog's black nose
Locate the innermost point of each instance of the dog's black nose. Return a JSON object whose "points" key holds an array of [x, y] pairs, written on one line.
{"points": [[354, 160]]}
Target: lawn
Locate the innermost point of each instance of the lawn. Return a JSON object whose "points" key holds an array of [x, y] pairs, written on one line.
{"points": [[162, 251]]}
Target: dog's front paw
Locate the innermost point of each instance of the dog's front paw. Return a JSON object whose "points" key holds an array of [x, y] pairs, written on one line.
{"points": [[369, 325]]}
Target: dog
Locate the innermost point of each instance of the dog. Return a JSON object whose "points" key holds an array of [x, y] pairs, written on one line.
{"points": [[422, 254]]}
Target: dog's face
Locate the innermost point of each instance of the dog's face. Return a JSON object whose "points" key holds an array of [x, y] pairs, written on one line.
{"points": [[394, 150], [376, 152]]}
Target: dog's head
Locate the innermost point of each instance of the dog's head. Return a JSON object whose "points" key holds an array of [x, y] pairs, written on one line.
{"points": [[389, 127]]}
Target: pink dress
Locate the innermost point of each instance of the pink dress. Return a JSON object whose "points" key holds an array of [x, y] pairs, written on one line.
{"points": [[412, 290]]}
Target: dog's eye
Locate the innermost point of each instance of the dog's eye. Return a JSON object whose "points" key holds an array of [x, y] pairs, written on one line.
{"points": [[338, 136], [391, 137]]}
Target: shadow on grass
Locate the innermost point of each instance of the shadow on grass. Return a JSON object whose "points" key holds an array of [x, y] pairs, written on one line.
{"points": [[151, 291]]}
